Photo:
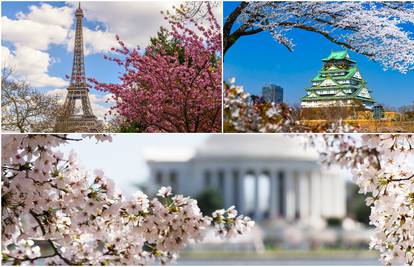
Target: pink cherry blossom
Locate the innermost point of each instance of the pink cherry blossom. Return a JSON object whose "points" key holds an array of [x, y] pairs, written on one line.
{"points": [[160, 92]]}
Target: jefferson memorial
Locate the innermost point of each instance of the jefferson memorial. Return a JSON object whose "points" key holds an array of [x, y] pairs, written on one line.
{"points": [[267, 177]]}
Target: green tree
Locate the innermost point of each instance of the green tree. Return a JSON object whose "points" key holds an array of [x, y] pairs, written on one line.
{"points": [[171, 46], [209, 200], [357, 209]]}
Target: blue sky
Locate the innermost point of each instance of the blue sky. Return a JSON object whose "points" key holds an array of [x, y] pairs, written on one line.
{"points": [[258, 60], [96, 66], [37, 40]]}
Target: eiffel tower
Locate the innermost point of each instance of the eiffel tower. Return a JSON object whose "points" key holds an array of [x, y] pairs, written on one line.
{"points": [[78, 118]]}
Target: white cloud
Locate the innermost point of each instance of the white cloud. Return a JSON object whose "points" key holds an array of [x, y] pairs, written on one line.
{"points": [[134, 22], [107, 98], [98, 105], [31, 65], [31, 35], [98, 41], [94, 41], [49, 15], [42, 26], [61, 93], [5, 54]]}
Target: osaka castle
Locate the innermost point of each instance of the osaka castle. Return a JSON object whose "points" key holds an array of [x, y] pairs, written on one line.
{"points": [[338, 84]]}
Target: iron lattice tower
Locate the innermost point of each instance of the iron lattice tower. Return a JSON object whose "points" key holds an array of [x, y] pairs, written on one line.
{"points": [[78, 118]]}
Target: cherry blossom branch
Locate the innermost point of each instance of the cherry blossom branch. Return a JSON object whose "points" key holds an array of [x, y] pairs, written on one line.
{"points": [[93, 223], [375, 161], [66, 138], [326, 35], [402, 179], [373, 29], [50, 242]]}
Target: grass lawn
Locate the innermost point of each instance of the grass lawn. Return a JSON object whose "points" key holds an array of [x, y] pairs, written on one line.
{"points": [[285, 254]]}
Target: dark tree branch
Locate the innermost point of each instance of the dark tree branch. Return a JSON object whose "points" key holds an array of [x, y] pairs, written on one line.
{"points": [[66, 138], [230, 38], [231, 19], [326, 35], [50, 242], [402, 179]]}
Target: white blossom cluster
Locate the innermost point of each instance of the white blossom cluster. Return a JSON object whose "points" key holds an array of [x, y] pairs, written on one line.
{"points": [[49, 201], [383, 167], [376, 29], [243, 116]]}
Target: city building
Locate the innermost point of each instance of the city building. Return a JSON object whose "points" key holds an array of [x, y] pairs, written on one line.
{"points": [[338, 84], [266, 177], [77, 115], [272, 93], [378, 111]]}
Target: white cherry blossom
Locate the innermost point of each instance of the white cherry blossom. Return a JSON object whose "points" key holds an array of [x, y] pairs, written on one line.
{"points": [[84, 219], [383, 167]]}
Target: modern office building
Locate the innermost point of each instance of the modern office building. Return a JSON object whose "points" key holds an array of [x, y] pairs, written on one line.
{"points": [[272, 93]]}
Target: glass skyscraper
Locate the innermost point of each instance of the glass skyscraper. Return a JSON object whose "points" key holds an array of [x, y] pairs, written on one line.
{"points": [[272, 93]]}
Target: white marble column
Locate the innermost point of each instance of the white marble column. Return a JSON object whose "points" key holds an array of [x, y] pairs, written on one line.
{"points": [[274, 194], [241, 204], [290, 195], [327, 196], [341, 195], [304, 195], [235, 187], [316, 193]]}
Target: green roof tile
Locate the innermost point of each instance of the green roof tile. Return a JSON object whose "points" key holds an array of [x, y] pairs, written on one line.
{"points": [[338, 55], [350, 73], [348, 97]]}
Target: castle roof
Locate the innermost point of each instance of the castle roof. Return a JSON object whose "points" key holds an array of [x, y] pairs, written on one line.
{"points": [[338, 55], [349, 74], [360, 92], [334, 97]]}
